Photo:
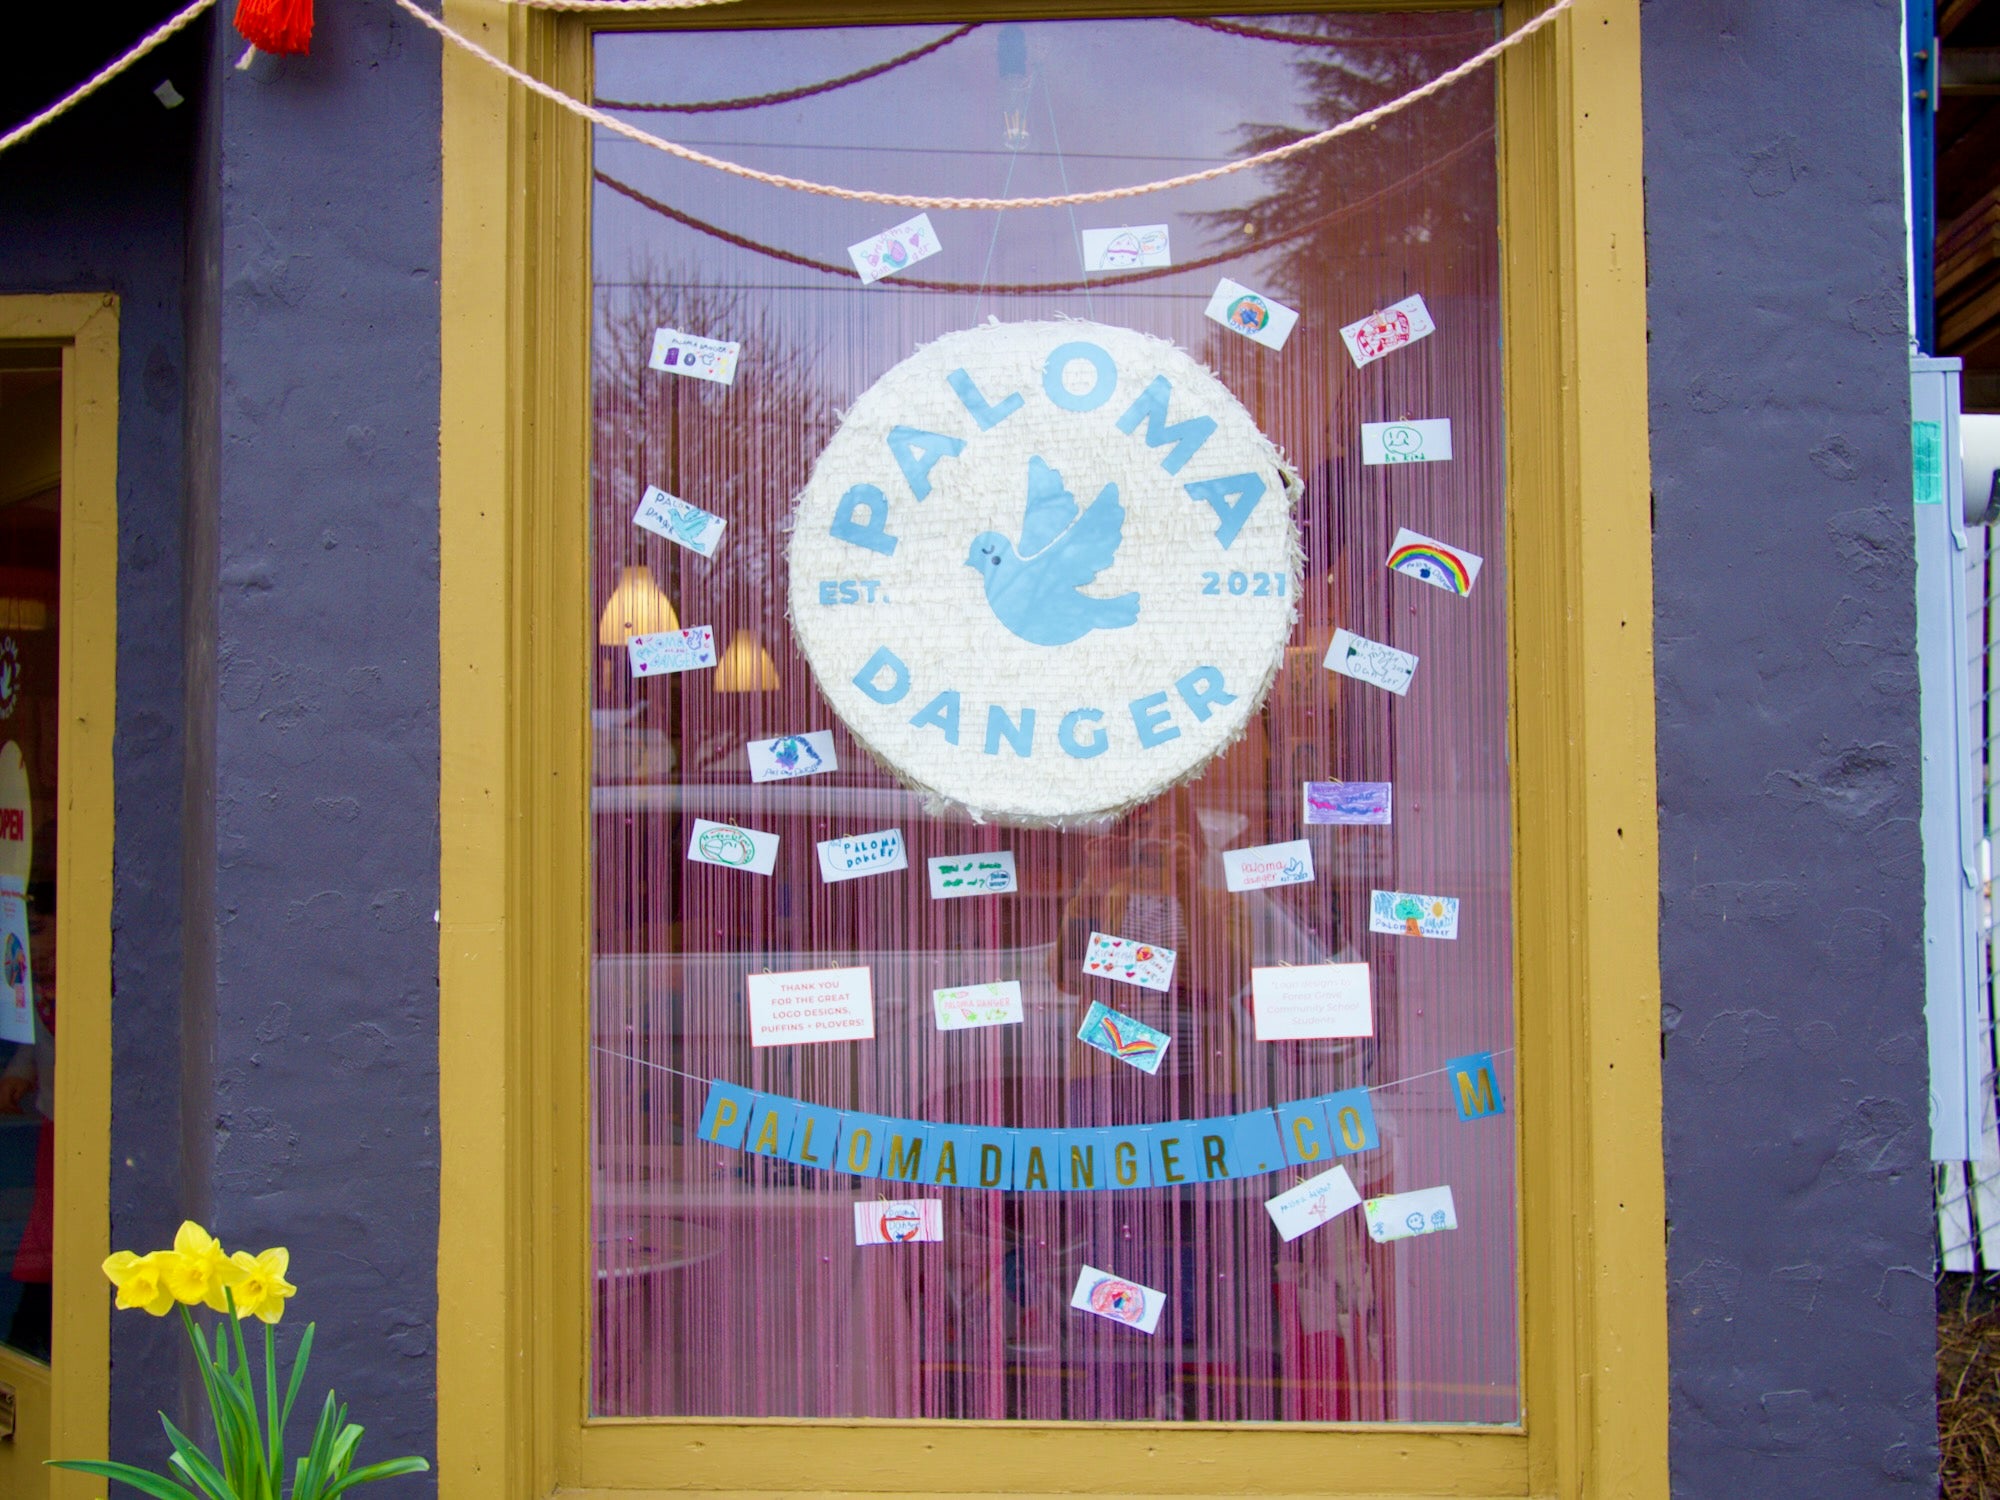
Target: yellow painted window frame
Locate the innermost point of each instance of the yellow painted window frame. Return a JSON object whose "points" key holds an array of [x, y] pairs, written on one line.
{"points": [[513, 1268], [74, 1391]]}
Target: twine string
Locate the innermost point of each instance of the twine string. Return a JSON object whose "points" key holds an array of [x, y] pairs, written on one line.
{"points": [[105, 74], [788, 96]]}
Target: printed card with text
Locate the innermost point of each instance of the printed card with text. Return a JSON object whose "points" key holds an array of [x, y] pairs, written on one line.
{"points": [[1428, 561], [899, 1222], [686, 525], [1267, 865], [1119, 1300], [1358, 657], [893, 249], [1124, 1037], [810, 1005], [733, 848], [1346, 802], [792, 755], [1405, 914], [1426, 442], [1147, 965], [1404, 1216], [972, 875], [1316, 1201], [680, 353], [1261, 319], [1384, 332], [671, 651], [1126, 249], [965, 1006], [862, 854], [1305, 1002]]}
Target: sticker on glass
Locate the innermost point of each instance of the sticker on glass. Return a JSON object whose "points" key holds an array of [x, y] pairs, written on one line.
{"points": [[680, 353], [1261, 319], [899, 1223], [1428, 561], [893, 249], [1119, 1300], [1267, 865], [1124, 1037], [810, 1005], [791, 755], [1126, 249], [965, 1006], [862, 854], [1426, 442], [1402, 914], [671, 651], [1384, 332], [1316, 1201], [972, 875], [733, 848], [1346, 802], [1404, 1216], [1358, 657], [675, 519], [1304, 1002], [1147, 965]]}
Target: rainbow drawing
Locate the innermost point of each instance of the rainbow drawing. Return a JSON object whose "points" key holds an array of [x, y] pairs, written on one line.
{"points": [[1123, 1037], [1431, 561]]}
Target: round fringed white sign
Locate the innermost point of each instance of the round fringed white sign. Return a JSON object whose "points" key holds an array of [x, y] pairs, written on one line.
{"points": [[1046, 570]]}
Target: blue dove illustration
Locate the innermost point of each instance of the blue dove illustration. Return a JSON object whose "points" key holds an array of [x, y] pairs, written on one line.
{"points": [[1037, 591]]}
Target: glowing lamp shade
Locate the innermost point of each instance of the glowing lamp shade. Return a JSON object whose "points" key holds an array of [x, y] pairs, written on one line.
{"points": [[746, 667], [636, 607]]}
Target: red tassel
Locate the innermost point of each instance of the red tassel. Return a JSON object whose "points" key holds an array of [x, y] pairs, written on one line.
{"points": [[276, 25]]}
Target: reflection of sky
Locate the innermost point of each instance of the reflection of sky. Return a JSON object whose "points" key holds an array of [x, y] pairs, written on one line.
{"points": [[1109, 104]]}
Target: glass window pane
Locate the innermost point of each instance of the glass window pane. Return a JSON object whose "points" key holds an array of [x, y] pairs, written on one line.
{"points": [[728, 1283]]}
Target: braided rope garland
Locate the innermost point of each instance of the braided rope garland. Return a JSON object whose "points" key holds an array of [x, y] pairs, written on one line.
{"points": [[105, 74], [804, 91]]}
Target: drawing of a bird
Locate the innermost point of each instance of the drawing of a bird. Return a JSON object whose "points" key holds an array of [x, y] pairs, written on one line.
{"points": [[1037, 590]]}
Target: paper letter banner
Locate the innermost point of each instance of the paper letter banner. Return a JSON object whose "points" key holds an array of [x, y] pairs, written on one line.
{"points": [[810, 1005], [1316, 1201], [671, 651], [791, 755], [1311, 1001], [1267, 865], [1406, 915], [893, 249], [1402, 1216], [1126, 249], [862, 854], [1386, 331], [972, 875], [705, 359], [687, 525], [1475, 1089], [970, 1005], [733, 848], [1356, 656], [902, 1222], [1406, 442], [1417, 556], [1119, 1300], [1346, 802]]}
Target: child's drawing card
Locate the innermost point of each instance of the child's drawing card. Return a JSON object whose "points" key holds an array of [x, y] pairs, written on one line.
{"points": [[1404, 1216], [862, 854], [1423, 442], [1130, 248], [790, 756], [1316, 1201], [679, 353], [679, 522], [901, 1222], [893, 249], [671, 651], [1394, 327], [965, 1006], [1117, 1299], [1260, 319], [1124, 1037], [1417, 556], [972, 875], [1405, 914], [1337, 803], [1147, 965], [1364, 660], [1268, 865], [733, 848]]}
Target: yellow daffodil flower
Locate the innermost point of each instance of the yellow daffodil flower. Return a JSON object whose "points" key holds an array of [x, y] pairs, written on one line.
{"points": [[141, 1280], [263, 1289], [198, 1270]]}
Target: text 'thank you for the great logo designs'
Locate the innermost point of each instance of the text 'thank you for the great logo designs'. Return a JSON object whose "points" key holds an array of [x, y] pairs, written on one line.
{"points": [[1008, 569]]}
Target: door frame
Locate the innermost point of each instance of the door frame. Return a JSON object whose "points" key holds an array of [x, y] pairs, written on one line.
{"points": [[76, 1385]]}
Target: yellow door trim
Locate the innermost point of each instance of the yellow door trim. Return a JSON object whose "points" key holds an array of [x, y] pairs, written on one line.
{"points": [[84, 326], [511, 1417]]}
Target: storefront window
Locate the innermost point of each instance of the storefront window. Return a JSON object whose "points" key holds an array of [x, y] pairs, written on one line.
{"points": [[729, 1283]]}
